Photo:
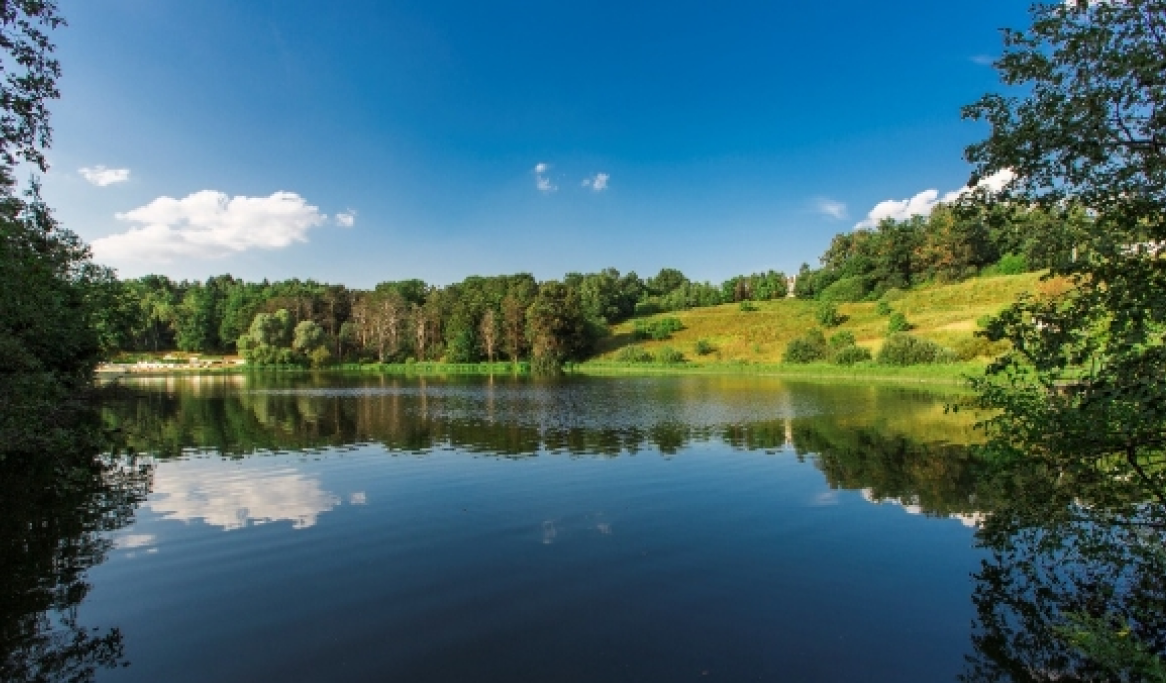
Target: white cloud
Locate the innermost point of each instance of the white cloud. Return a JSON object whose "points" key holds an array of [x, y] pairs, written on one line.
{"points": [[598, 183], [346, 219], [541, 181], [102, 176], [210, 224], [831, 208], [925, 202]]}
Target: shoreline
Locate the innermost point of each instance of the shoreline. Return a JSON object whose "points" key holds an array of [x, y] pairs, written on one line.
{"points": [[952, 374]]}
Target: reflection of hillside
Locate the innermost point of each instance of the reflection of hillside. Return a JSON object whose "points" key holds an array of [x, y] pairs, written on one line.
{"points": [[934, 478], [895, 443], [509, 417]]}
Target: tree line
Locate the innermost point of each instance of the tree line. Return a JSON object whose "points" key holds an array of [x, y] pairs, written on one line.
{"points": [[498, 318], [955, 242], [517, 318]]}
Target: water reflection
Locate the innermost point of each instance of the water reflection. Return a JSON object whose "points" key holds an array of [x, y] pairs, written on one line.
{"points": [[1071, 590], [1063, 592], [50, 537], [894, 444], [253, 492]]}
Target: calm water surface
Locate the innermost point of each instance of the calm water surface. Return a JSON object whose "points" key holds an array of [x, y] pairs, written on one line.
{"points": [[331, 527]]}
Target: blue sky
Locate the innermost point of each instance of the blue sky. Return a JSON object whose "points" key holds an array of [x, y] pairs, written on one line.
{"points": [[365, 141]]}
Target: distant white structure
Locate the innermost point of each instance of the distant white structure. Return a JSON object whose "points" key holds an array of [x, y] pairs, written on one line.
{"points": [[791, 281]]}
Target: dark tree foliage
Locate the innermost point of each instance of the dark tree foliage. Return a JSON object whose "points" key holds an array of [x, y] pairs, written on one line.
{"points": [[557, 327], [51, 534], [30, 80], [58, 311], [1081, 398], [1089, 133]]}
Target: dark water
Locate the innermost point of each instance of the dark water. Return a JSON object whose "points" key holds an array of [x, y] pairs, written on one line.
{"points": [[302, 528]]}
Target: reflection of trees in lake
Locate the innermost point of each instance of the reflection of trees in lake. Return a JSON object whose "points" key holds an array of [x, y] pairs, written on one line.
{"points": [[938, 478], [1074, 588], [1081, 599], [53, 530], [507, 417], [890, 442]]}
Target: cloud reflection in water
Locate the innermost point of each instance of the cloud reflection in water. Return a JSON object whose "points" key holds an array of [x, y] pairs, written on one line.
{"points": [[257, 492]]}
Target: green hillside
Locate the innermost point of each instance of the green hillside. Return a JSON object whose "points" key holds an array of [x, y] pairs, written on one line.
{"points": [[946, 314]]}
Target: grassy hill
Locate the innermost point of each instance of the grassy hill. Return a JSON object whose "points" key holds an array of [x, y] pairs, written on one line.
{"points": [[946, 314]]}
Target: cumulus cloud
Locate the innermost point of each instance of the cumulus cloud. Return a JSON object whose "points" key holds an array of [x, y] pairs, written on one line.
{"points": [[831, 208], [210, 224], [102, 176], [598, 182], [925, 202], [346, 219], [541, 181]]}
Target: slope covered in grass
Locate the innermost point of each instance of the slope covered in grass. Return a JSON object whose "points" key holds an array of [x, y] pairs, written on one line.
{"points": [[947, 314]]}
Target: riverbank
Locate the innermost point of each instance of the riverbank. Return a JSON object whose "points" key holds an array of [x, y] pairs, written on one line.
{"points": [[950, 374], [953, 373]]}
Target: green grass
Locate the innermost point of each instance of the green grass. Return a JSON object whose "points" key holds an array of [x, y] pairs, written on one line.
{"points": [[946, 314], [953, 374]]}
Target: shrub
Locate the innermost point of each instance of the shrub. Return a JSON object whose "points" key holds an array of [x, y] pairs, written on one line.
{"points": [[828, 315], [644, 308], [843, 339], [633, 353], [703, 347], [968, 348], [847, 289], [656, 329], [1009, 264], [883, 307], [898, 323], [667, 354], [851, 355], [320, 357], [747, 306], [808, 348], [904, 349], [893, 294]]}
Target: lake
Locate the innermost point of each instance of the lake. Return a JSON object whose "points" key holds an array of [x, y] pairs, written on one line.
{"points": [[305, 527]]}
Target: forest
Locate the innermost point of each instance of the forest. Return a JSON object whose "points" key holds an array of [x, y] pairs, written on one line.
{"points": [[517, 318]]}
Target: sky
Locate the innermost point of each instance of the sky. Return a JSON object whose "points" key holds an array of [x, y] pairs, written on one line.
{"points": [[376, 140]]}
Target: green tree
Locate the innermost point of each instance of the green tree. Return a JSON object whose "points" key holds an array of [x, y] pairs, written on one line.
{"points": [[1090, 132], [1082, 393], [238, 309], [488, 333], [49, 341], [513, 327], [665, 281], [309, 336], [557, 327], [197, 322]]}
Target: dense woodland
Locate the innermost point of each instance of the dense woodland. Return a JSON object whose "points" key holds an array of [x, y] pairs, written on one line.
{"points": [[515, 317]]}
